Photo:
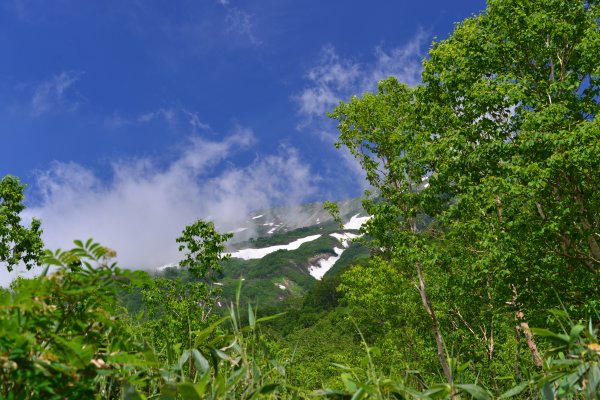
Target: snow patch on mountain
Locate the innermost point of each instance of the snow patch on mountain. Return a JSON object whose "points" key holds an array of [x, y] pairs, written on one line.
{"points": [[356, 222], [345, 237], [325, 264], [253, 254]]}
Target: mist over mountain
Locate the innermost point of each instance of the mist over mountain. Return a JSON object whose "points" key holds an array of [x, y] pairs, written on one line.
{"points": [[281, 252]]}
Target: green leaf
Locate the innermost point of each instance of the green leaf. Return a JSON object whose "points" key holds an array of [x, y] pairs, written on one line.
{"points": [[204, 333], [437, 391], [251, 317], [200, 361], [269, 388], [593, 380], [183, 359], [359, 394], [130, 393], [189, 391], [203, 383], [560, 338], [515, 390], [270, 317], [547, 392], [238, 292], [220, 354], [575, 332], [476, 391], [349, 383]]}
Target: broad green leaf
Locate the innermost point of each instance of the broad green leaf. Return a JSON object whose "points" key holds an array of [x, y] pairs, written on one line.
{"points": [[200, 362], [476, 391], [515, 390], [270, 317], [251, 317], [547, 392], [189, 391]]}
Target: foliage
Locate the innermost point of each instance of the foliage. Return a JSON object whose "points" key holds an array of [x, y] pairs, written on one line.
{"points": [[203, 247], [223, 363], [17, 243], [571, 366], [510, 127], [64, 335], [61, 334], [175, 311], [496, 149]]}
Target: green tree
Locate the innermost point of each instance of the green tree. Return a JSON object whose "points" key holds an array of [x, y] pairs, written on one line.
{"points": [[499, 145], [17, 243], [513, 121], [383, 133], [203, 248]]}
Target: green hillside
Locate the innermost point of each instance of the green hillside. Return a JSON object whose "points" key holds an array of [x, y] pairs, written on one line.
{"points": [[283, 274]]}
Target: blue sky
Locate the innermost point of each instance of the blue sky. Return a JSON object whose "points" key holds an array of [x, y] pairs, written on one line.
{"points": [[134, 117]]}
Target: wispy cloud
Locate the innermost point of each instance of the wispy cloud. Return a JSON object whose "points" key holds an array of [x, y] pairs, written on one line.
{"points": [[196, 122], [174, 117], [329, 80], [144, 207], [57, 94], [167, 114], [241, 23], [334, 78]]}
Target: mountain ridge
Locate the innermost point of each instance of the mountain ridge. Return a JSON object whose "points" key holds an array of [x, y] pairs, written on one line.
{"points": [[301, 245]]}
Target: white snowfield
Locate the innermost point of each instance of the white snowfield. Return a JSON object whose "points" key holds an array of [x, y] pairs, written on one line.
{"points": [[257, 217], [253, 254], [356, 222], [345, 237], [325, 264]]}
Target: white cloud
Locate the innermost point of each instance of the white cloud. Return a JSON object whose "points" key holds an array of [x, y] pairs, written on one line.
{"points": [[334, 79], [144, 207], [172, 116], [56, 94], [168, 115], [241, 23], [196, 122]]}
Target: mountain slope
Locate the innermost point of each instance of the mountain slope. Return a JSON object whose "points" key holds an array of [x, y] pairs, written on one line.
{"points": [[281, 252]]}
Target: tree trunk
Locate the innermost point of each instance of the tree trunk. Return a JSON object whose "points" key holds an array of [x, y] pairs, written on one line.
{"points": [[434, 324], [535, 354]]}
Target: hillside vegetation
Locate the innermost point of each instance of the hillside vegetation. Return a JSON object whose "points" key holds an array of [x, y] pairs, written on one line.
{"points": [[477, 275]]}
